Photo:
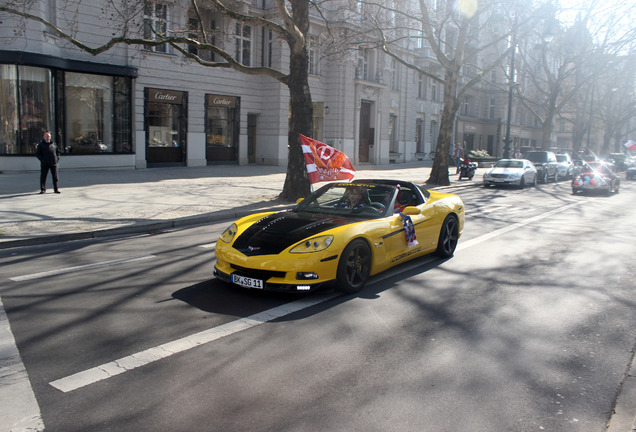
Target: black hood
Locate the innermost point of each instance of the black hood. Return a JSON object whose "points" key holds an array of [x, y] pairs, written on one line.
{"points": [[274, 233]]}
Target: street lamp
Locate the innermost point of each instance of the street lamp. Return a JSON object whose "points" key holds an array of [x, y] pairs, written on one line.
{"points": [[511, 86]]}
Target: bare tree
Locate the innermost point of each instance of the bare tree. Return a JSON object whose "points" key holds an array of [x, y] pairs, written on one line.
{"points": [[290, 24], [468, 37], [562, 66], [617, 102]]}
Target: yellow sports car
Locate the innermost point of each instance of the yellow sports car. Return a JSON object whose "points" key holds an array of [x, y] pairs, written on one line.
{"points": [[341, 234]]}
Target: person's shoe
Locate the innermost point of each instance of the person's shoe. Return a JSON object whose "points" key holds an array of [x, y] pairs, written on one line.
{"points": [[42, 191], [57, 191]]}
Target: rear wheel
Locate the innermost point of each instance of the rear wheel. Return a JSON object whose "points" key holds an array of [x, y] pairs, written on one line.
{"points": [[448, 237], [354, 267], [522, 183]]}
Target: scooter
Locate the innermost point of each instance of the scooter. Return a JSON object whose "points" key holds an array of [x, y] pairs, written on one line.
{"points": [[467, 169]]}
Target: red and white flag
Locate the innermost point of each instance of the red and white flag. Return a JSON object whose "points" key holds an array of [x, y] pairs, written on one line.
{"points": [[630, 145], [325, 163]]}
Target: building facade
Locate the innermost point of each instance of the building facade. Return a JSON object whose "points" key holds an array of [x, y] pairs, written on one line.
{"points": [[137, 106]]}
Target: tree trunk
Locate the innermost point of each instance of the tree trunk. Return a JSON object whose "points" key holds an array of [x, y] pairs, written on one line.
{"points": [[548, 122], [301, 117], [439, 173]]}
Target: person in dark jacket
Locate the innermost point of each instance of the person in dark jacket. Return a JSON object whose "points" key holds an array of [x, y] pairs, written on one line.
{"points": [[49, 155]]}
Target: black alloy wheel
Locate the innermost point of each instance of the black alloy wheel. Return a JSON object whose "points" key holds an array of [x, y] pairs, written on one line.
{"points": [[448, 237], [354, 267]]}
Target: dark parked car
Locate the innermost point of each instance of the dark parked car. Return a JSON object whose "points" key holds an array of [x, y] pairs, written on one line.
{"points": [[621, 161], [546, 164]]}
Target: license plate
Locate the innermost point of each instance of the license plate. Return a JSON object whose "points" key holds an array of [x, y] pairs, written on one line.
{"points": [[247, 282], [499, 180]]}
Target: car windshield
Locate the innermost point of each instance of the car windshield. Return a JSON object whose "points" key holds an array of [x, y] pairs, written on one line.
{"points": [[350, 199], [537, 157], [509, 164], [598, 167], [562, 158]]}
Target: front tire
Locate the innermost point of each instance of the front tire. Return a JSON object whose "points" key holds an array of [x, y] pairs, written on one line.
{"points": [[448, 237], [354, 267]]}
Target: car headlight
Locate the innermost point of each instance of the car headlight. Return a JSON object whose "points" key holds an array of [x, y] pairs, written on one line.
{"points": [[228, 234], [315, 244]]}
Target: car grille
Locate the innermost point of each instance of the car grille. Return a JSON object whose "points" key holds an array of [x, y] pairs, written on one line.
{"points": [[499, 175], [256, 273]]}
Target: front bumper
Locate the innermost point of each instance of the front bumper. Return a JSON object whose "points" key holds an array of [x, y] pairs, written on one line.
{"points": [[299, 286], [283, 272], [495, 181]]}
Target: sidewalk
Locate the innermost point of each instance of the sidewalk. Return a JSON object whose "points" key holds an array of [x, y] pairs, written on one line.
{"points": [[100, 203]]}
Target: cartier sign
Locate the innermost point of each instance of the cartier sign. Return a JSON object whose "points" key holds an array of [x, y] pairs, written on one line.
{"points": [[165, 96], [221, 101]]}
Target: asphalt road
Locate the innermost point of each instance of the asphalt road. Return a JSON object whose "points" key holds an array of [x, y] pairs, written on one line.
{"points": [[529, 327]]}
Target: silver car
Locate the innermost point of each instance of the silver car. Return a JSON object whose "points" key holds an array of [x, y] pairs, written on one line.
{"points": [[566, 166], [516, 172]]}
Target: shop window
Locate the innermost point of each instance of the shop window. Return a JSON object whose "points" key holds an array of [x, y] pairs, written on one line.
{"points": [[122, 116], [97, 116], [89, 104], [34, 108], [166, 126], [9, 131], [221, 128]]}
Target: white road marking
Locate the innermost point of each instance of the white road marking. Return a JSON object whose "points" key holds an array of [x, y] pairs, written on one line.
{"points": [[79, 268], [491, 235], [20, 410], [208, 245], [124, 364]]}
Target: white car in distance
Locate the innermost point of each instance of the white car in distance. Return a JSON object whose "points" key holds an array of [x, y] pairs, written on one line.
{"points": [[511, 172]]}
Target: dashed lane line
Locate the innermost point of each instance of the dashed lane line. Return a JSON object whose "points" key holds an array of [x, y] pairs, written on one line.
{"points": [[504, 230], [125, 364], [79, 268]]}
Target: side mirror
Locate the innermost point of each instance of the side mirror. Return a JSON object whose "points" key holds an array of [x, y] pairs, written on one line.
{"points": [[411, 211]]}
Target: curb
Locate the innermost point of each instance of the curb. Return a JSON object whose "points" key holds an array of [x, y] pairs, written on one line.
{"points": [[623, 417]]}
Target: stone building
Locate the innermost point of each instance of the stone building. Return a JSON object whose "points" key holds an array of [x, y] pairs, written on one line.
{"points": [[147, 106]]}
